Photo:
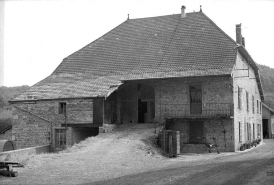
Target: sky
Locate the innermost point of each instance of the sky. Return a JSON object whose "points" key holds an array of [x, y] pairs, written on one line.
{"points": [[39, 34]]}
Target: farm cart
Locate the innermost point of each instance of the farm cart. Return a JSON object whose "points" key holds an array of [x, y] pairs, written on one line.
{"points": [[6, 168]]}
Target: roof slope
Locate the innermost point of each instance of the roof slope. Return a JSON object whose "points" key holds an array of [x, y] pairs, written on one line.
{"points": [[154, 43], [155, 47]]}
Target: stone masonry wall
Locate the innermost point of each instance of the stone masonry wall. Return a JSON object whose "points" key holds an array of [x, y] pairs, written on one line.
{"points": [[29, 130], [221, 129], [176, 91], [244, 118], [7, 135]]}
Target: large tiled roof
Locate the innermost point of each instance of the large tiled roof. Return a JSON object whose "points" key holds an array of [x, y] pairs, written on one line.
{"points": [[156, 47], [155, 43]]}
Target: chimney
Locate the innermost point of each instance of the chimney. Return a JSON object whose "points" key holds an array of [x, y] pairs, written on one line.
{"points": [[183, 14], [243, 41], [239, 34]]}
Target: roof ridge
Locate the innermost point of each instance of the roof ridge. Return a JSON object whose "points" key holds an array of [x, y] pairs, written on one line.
{"points": [[160, 16]]}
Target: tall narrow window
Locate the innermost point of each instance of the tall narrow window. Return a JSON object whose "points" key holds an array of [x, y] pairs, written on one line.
{"points": [[257, 106], [253, 131], [253, 105], [62, 108], [240, 132], [239, 97], [195, 92], [260, 107], [247, 101], [259, 130], [60, 137], [248, 131]]}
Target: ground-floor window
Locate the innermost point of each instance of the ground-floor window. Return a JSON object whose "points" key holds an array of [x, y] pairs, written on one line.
{"points": [[253, 131], [259, 130], [240, 139], [60, 137]]}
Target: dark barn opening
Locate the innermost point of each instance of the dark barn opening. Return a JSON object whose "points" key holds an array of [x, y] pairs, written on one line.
{"points": [[137, 103], [142, 111], [81, 133], [265, 128]]}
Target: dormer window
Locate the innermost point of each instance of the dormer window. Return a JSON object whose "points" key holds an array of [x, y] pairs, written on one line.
{"points": [[31, 97]]}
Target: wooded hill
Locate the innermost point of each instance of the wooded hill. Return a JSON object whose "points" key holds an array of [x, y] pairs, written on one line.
{"points": [[267, 76], [8, 93]]}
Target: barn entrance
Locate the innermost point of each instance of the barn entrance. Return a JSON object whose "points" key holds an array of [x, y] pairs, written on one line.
{"points": [[137, 103], [142, 111], [265, 128]]}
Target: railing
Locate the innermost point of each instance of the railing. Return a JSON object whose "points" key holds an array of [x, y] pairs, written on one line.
{"points": [[207, 110]]}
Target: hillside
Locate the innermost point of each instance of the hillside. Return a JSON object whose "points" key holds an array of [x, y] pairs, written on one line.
{"points": [[8, 93], [267, 76]]}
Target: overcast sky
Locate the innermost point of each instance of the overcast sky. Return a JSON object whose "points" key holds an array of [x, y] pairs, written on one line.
{"points": [[39, 34]]}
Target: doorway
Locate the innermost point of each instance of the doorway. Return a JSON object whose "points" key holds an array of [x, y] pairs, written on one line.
{"points": [[265, 128], [142, 111]]}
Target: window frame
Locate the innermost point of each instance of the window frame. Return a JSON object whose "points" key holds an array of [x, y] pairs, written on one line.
{"points": [[253, 104], [62, 107], [247, 101], [239, 97]]}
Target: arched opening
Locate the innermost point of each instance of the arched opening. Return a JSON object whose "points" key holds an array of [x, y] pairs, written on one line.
{"points": [[137, 103]]}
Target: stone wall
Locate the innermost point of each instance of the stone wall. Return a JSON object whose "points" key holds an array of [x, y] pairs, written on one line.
{"points": [[7, 135], [219, 128], [29, 130], [244, 83], [32, 121], [176, 91]]}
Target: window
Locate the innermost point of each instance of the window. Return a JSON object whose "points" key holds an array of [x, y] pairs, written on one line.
{"points": [[260, 107], [239, 97], [253, 131], [257, 106], [248, 131], [240, 139], [60, 137], [259, 130], [247, 101], [195, 94], [62, 108], [253, 105]]}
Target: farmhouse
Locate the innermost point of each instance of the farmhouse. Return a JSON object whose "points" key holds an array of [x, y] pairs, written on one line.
{"points": [[181, 67]]}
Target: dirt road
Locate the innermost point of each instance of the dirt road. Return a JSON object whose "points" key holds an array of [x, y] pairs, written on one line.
{"points": [[255, 167]]}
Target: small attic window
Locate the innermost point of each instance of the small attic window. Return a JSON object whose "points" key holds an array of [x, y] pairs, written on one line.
{"points": [[62, 108], [30, 97]]}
